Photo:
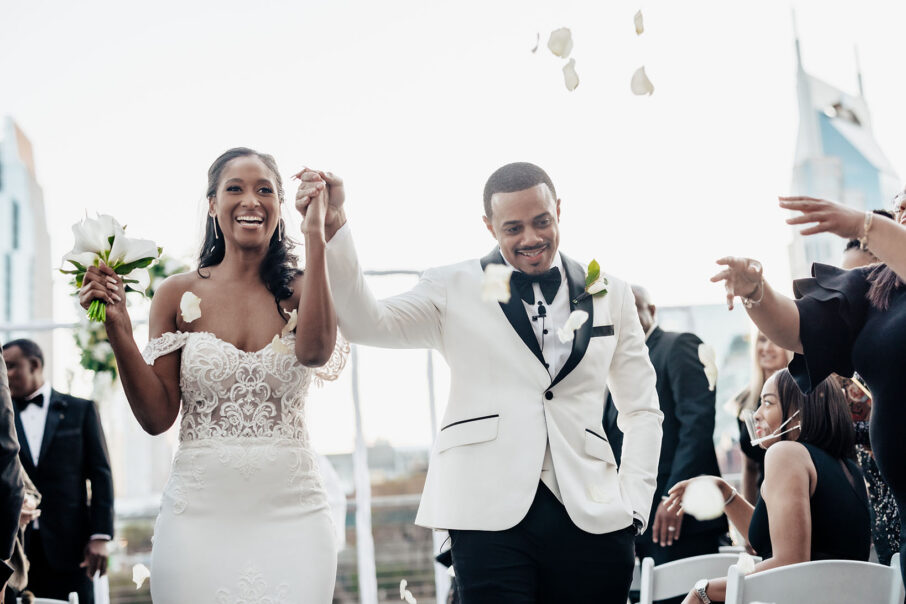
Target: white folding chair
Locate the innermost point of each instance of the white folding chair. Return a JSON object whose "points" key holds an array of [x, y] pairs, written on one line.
{"points": [[825, 581], [677, 578], [73, 599]]}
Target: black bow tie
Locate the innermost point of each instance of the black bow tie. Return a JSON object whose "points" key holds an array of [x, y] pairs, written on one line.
{"points": [[23, 403], [548, 281]]}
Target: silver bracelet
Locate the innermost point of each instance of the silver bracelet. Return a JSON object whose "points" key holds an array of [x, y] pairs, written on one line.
{"points": [[731, 497], [750, 303]]}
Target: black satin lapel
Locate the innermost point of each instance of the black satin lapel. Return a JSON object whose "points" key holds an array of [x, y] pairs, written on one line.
{"points": [[24, 450], [515, 311], [575, 278], [54, 415]]}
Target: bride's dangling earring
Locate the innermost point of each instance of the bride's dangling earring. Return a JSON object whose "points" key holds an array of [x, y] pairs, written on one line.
{"points": [[280, 230], [214, 218]]}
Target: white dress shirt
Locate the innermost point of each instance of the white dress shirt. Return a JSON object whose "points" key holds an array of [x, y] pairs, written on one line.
{"points": [[33, 420], [554, 351]]}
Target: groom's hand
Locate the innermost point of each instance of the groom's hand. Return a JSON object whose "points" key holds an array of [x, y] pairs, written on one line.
{"points": [[667, 525], [95, 557], [313, 183]]}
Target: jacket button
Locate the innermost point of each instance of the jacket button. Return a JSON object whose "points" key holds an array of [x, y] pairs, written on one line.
{"points": [[548, 395]]}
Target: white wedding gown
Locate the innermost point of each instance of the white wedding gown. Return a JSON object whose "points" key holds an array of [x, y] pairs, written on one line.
{"points": [[244, 516]]}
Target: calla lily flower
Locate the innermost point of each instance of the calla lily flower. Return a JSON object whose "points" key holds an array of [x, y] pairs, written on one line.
{"points": [[126, 250]]}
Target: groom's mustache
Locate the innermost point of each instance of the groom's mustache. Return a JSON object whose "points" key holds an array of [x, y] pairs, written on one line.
{"points": [[532, 249]]}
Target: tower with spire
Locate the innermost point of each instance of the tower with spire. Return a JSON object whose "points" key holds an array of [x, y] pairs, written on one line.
{"points": [[837, 158]]}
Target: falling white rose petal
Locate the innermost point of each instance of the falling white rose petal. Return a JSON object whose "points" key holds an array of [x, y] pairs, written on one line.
{"points": [[708, 358], [140, 574], [280, 346], [403, 585], [495, 287], [574, 322], [101, 351], [190, 307], [570, 77], [534, 50], [639, 23], [292, 320], [561, 42], [702, 499], [451, 572], [640, 83], [746, 563]]}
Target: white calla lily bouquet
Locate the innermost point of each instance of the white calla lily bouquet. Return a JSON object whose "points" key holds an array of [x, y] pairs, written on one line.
{"points": [[103, 239]]}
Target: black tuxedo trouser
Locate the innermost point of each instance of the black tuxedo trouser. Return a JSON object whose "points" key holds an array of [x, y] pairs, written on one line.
{"points": [[543, 559], [45, 582]]}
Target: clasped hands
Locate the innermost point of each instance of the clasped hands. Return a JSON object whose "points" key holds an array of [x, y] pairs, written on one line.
{"points": [[319, 199]]}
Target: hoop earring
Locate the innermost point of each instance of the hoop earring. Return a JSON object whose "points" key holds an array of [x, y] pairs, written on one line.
{"points": [[214, 218], [280, 231]]}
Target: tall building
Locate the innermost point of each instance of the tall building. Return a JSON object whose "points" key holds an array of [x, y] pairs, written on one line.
{"points": [[25, 263], [837, 158]]}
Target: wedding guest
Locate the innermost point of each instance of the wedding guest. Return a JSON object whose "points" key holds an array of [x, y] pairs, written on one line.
{"points": [[885, 518], [843, 321], [12, 493], [813, 504], [767, 358], [62, 446], [687, 401]]}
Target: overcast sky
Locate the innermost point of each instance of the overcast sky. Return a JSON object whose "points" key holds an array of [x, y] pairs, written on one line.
{"points": [[415, 103]]}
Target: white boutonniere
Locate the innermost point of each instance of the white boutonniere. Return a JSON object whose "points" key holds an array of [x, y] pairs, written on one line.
{"points": [[595, 283], [708, 358]]}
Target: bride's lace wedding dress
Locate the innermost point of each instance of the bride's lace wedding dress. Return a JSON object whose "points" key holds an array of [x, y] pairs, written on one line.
{"points": [[244, 516]]}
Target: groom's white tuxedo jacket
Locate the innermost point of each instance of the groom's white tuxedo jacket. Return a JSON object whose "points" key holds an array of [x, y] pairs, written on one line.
{"points": [[504, 407]]}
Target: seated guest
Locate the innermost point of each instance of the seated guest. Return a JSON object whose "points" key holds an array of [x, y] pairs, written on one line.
{"points": [[813, 503]]}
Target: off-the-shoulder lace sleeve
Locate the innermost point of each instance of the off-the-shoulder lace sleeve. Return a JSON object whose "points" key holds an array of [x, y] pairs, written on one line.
{"points": [[832, 308], [164, 344], [334, 366]]}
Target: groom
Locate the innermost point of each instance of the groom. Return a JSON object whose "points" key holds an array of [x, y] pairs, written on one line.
{"points": [[521, 473]]}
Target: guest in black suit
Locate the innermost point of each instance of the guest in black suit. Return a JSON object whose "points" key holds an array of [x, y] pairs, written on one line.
{"points": [[687, 449], [11, 487], [61, 446]]}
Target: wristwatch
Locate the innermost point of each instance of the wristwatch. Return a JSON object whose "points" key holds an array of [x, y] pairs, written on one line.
{"points": [[701, 590]]}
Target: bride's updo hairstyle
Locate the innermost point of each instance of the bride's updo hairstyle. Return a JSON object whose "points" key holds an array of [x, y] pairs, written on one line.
{"points": [[279, 266]]}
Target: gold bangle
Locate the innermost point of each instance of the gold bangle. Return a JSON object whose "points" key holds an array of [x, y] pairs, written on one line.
{"points": [[863, 240]]}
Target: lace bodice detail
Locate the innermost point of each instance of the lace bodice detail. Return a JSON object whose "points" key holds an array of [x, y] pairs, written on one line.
{"points": [[227, 392]]}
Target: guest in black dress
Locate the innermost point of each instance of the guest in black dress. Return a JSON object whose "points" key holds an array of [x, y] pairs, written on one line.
{"points": [[811, 480], [767, 358], [844, 321]]}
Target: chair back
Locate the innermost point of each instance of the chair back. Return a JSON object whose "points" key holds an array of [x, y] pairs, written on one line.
{"points": [[825, 581], [677, 578], [73, 599]]}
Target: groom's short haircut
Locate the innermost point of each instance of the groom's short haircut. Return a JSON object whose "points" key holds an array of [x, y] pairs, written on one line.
{"points": [[517, 176], [30, 349]]}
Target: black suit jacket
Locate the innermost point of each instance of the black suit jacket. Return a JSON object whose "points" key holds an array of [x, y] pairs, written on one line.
{"points": [[687, 448], [12, 490], [73, 450]]}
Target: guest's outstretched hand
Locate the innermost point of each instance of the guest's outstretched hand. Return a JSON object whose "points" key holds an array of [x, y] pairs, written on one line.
{"points": [[829, 217], [742, 277]]}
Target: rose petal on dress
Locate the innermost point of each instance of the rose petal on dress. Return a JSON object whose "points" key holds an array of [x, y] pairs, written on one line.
{"points": [[708, 358], [279, 346], [561, 42], [140, 574], [570, 77], [640, 83], [574, 322], [190, 307], [290, 322], [639, 23], [703, 499], [495, 287], [746, 563]]}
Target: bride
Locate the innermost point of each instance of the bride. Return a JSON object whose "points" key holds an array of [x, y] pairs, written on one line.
{"points": [[244, 516]]}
